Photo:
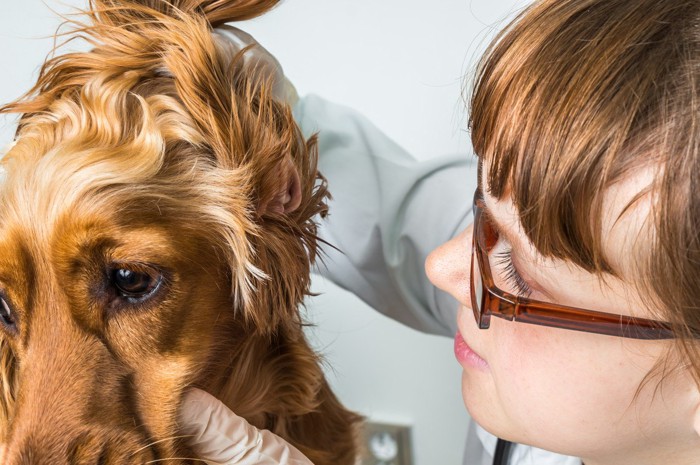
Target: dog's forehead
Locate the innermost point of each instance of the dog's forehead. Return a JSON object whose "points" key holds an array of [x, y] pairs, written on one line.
{"points": [[55, 192], [50, 204]]}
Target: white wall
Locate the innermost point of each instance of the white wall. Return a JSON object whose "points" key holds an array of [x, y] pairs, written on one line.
{"points": [[401, 63]]}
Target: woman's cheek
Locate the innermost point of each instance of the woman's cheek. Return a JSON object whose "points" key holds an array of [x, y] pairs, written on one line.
{"points": [[536, 368], [551, 379]]}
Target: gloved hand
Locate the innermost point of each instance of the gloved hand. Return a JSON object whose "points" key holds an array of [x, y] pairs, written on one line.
{"points": [[219, 436], [258, 56]]}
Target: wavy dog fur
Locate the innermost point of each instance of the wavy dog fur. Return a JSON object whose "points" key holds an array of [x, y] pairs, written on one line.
{"points": [[159, 155]]}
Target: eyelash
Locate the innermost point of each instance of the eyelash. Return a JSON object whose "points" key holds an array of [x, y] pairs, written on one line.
{"points": [[511, 276]]}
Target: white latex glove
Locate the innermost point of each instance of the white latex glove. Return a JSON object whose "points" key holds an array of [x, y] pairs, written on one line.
{"points": [[219, 436], [258, 55]]}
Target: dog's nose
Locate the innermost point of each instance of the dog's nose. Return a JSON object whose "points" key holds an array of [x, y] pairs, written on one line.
{"points": [[86, 449]]}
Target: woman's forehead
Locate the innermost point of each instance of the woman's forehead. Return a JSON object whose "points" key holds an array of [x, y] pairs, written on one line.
{"points": [[626, 225]]}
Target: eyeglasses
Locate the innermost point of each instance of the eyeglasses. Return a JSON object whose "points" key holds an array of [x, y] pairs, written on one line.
{"points": [[488, 300]]}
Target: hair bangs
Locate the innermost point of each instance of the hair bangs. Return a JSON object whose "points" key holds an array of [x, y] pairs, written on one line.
{"points": [[566, 104]]}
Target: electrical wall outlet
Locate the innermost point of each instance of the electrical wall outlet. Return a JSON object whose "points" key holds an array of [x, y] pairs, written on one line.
{"points": [[387, 444]]}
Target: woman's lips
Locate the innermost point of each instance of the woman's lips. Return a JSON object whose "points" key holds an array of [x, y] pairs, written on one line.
{"points": [[466, 356]]}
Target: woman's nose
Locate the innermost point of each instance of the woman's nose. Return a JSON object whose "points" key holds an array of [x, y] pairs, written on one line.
{"points": [[448, 267]]}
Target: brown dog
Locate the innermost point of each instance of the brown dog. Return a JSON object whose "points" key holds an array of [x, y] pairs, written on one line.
{"points": [[156, 233]]}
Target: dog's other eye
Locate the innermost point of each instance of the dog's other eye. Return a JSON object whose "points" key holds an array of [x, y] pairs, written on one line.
{"points": [[134, 285], [6, 315]]}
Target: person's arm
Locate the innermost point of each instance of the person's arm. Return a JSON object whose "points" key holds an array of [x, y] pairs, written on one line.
{"points": [[388, 212]]}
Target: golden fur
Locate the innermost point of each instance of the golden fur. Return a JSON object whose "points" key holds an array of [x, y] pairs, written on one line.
{"points": [[162, 153]]}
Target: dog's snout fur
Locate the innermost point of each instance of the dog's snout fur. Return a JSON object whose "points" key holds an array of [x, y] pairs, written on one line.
{"points": [[75, 402], [89, 448], [95, 448]]}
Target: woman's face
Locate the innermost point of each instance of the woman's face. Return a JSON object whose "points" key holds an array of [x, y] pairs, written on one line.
{"points": [[571, 392]]}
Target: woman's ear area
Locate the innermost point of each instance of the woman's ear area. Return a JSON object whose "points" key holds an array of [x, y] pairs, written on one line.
{"points": [[285, 195]]}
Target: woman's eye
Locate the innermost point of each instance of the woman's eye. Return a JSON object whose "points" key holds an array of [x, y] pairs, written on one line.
{"points": [[133, 284], [6, 316], [511, 276]]}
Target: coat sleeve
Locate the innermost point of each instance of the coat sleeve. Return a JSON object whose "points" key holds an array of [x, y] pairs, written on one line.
{"points": [[388, 211]]}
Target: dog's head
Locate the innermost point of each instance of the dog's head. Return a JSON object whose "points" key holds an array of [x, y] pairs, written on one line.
{"points": [[156, 195]]}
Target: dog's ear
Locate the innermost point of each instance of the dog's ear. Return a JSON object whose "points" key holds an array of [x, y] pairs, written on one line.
{"points": [[285, 192], [253, 138], [8, 381], [281, 192]]}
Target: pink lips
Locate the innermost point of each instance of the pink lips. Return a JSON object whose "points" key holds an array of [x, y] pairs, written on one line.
{"points": [[466, 356]]}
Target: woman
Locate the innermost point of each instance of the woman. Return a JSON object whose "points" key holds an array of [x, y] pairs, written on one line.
{"points": [[585, 120]]}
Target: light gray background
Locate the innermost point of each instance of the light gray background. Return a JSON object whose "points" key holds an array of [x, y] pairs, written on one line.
{"points": [[402, 63]]}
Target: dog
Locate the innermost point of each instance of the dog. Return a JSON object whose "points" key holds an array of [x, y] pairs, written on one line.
{"points": [[156, 234]]}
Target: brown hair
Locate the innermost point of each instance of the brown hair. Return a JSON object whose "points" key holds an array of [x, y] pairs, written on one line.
{"points": [[576, 95]]}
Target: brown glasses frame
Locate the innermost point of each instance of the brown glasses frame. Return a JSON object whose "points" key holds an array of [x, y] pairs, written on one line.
{"points": [[493, 301]]}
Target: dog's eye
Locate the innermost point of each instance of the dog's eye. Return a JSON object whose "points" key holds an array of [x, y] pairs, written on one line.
{"points": [[6, 315], [134, 285]]}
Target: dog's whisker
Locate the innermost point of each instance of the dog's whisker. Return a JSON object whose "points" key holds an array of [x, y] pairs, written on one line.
{"points": [[153, 443], [176, 458]]}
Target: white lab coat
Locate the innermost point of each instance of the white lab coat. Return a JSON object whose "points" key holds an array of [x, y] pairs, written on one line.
{"points": [[387, 213]]}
